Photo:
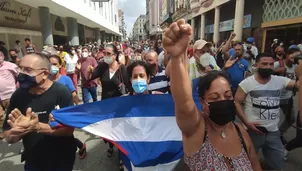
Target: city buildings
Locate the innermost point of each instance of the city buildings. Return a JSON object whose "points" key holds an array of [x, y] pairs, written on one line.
{"points": [[154, 18], [122, 26], [147, 19], [138, 30], [51, 22]]}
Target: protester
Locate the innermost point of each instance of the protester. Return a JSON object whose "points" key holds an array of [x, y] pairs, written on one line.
{"points": [[259, 95], [114, 78], [27, 120], [8, 78], [71, 63], [158, 81], [89, 87], [210, 131]]}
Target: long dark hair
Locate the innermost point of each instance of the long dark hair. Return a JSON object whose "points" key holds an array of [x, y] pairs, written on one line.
{"points": [[117, 53]]}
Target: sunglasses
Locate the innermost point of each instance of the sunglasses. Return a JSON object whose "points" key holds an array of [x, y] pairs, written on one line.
{"points": [[108, 53]]}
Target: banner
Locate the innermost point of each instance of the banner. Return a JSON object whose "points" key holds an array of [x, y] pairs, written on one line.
{"points": [[228, 25]]}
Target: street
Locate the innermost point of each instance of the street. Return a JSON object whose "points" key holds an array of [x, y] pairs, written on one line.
{"points": [[97, 159]]}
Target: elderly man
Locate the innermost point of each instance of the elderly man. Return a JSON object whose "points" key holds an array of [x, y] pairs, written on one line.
{"points": [[8, 75], [30, 105], [202, 61]]}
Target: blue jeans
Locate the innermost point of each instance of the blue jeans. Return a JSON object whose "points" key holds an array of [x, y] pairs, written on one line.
{"points": [[89, 92], [272, 148], [28, 167]]}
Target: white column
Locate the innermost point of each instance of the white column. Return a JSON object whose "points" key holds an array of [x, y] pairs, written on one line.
{"points": [[216, 25], [238, 23], [193, 28], [202, 26]]}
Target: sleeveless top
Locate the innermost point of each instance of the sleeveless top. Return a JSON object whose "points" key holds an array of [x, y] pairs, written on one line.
{"points": [[208, 159]]}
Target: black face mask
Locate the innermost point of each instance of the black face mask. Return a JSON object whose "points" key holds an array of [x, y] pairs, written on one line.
{"points": [[265, 72], [152, 66], [222, 112], [14, 57], [26, 81]]}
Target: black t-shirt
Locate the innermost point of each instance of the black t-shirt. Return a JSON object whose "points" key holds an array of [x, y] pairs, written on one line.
{"points": [[42, 150], [110, 85]]}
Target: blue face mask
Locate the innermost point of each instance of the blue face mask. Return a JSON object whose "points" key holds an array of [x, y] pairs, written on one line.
{"points": [[54, 70], [26, 81], [139, 85]]}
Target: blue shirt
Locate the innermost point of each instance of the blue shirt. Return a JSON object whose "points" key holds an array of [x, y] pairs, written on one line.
{"points": [[195, 94], [237, 71], [65, 80]]}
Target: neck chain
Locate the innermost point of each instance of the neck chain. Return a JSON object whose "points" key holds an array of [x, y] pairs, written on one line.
{"points": [[223, 135]]}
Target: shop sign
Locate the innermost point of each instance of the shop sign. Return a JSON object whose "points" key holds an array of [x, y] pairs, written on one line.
{"points": [[228, 25], [14, 14], [202, 6]]}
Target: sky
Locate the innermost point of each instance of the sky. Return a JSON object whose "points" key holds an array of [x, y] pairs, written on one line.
{"points": [[132, 9]]}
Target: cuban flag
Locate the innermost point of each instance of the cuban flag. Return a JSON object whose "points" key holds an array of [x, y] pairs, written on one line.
{"points": [[143, 127]]}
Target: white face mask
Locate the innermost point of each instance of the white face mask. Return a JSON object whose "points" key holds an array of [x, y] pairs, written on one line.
{"points": [[73, 51], [108, 60], [205, 59], [85, 54]]}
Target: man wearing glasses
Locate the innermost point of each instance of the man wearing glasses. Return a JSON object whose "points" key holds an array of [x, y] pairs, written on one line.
{"points": [[28, 115]]}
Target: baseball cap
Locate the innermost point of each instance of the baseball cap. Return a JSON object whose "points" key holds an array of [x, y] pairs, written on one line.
{"points": [[250, 40], [199, 44]]}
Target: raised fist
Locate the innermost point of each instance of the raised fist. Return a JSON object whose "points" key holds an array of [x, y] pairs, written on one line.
{"points": [[177, 38]]}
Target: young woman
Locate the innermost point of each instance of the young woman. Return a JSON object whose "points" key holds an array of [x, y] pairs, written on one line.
{"points": [[56, 64], [140, 73], [114, 79], [71, 62], [206, 133]]}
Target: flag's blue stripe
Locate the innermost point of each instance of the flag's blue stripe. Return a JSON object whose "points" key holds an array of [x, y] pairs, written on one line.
{"points": [[144, 154], [128, 106]]}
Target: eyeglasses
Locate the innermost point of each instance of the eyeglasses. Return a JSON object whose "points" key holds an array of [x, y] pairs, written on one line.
{"points": [[28, 70], [108, 53]]}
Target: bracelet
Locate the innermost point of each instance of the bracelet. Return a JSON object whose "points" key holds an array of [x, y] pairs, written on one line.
{"points": [[38, 131]]}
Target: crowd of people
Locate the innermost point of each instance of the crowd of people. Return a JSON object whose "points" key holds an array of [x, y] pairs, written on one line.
{"points": [[231, 80]]}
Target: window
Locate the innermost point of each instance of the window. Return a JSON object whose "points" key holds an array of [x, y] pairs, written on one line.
{"points": [[115, 18], [94, 6], [90, 3]]}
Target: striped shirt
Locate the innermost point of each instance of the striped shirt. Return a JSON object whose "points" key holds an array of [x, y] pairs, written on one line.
{"points": [[159, 82]]}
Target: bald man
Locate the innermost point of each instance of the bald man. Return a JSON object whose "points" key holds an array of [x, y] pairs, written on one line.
{"points": [[30, 105], [158, 81]]}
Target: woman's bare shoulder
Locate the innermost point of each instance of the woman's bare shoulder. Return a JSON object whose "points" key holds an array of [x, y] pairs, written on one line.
{"points": [[157, 92]]}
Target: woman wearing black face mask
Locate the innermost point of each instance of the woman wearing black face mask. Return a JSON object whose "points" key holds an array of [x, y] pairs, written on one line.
{"points": [[212, 141]]}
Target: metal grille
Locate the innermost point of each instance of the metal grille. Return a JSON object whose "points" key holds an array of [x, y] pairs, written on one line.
{"points": [[281, 9]]}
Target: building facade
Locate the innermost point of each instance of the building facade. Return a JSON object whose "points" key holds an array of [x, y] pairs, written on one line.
{"points": [[282, 19], [122, 26], [48, 22], [138, 30], [146, 27], [154, 18]]}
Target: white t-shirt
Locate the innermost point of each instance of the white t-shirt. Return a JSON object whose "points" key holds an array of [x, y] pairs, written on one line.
{"points": [[161, 58], [194, 71], [71, 63], [262, 102], [290, 73]]}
